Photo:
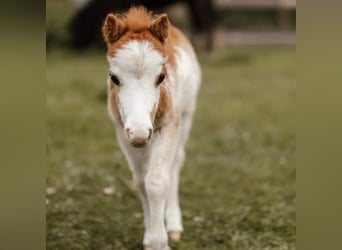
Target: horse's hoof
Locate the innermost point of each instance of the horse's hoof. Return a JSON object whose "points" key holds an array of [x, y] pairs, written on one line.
{"points": [[175, 236], [147, 248]]}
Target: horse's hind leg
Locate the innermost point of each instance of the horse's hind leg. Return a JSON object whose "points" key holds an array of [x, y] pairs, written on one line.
{"points": [[173, 215]]}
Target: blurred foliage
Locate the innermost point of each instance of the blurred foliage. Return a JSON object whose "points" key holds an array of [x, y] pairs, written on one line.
{"points": [[58, 15], [238, 183]]}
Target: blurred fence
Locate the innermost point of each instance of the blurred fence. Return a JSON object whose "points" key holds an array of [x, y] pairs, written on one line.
{"points": [[220, 22], [282, 13], [282, 7]]}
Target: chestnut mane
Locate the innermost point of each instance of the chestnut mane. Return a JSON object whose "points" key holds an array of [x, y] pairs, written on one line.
{"points": [[137, 19]]}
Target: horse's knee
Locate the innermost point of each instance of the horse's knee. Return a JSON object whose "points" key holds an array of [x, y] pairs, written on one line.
{"points": [[156, 185]]}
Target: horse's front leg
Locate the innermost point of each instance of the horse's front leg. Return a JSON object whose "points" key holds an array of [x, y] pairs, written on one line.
{"points": [[173, 215], [157, 182], [139, 183], [137, 162], [157, 186]]}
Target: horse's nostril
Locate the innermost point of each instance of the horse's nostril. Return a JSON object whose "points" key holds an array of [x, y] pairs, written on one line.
{"points": [[128, 131], [150, 133]]}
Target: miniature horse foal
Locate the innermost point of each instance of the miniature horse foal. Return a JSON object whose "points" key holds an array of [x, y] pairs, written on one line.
{"points": [[154, 77]]}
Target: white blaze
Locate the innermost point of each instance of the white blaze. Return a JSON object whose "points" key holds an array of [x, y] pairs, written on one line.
{"points": [[137, 65]]}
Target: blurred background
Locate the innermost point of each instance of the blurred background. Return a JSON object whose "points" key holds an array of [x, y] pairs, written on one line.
{"points": [[238, 182], [210, 23]]}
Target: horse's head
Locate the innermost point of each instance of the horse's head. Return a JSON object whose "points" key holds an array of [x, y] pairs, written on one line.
{"points": [[136, 70]]}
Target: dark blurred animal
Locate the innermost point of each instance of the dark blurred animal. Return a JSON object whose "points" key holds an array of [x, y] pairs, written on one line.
{"points": [[85, 26]]}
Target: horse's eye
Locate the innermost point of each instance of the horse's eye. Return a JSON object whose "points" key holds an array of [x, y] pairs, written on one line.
{"points": [[114, 79], [161, 78]]}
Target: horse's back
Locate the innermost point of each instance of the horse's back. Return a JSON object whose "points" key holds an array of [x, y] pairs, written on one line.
{"points": [[187, 73]]}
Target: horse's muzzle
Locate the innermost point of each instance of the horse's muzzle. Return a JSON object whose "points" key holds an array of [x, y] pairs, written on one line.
{"points": [[138, 140]]}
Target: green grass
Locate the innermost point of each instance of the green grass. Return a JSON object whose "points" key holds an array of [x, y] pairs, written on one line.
{"points": [[238, 183]]}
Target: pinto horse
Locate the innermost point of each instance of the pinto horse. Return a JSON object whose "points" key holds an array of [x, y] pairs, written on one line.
{"points": [[153, 81]]}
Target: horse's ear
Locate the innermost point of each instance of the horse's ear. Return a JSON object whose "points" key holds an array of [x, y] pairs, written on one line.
{"points": [[112, 28], [160, 27]]}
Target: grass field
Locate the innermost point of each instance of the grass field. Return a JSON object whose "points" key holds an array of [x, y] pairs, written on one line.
{"points": [[238, 183]]}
